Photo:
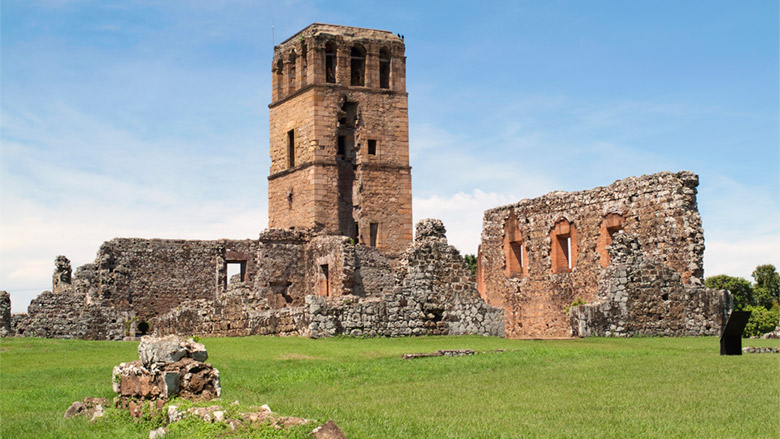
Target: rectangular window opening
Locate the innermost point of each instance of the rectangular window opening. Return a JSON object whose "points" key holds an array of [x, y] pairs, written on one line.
{"points": [[371, 147], [291, 148], [564, 243], [236, 271], [515, 262], [374, 232], [324, 281]]}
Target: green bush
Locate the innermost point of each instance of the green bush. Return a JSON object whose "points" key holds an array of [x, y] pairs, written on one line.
{"points": [[761, 321], [739, 287]]}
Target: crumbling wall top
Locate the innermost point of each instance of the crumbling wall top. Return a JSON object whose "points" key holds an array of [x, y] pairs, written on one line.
{"points": [[430, 228], [332, 31], [634, 185]]}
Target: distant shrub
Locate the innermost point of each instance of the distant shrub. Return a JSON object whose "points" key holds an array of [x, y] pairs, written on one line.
{"points": [[761, 321]]}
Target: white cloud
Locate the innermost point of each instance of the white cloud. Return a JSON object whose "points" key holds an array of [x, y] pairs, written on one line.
{"points": [[740, 257], [461, 214]]}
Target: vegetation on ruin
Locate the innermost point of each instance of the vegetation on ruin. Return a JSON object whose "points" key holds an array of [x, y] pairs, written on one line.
{"points": [[594, 387], [471, 262], [761, 298]]}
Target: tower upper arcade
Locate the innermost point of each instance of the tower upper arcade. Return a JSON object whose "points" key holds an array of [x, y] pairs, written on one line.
{"points": [[326, 54]]}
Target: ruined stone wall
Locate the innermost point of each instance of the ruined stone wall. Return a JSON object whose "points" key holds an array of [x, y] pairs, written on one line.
{"points": [[434, 294], [431, 292], [233, 315], [132, 281], [523, 256], [5, 314], [281, 275], [151, 276], [69, 315], [640, 296]]}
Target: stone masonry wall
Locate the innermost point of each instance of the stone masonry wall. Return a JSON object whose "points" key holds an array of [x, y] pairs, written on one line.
{"points": [[333, 186], [432, 292], [131, 281], [151, 276], [639, 296], [523, 257], [5, 314], [68, 315]]}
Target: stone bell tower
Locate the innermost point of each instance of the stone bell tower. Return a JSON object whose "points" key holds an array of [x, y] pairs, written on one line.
{"points": [[339, 129]]}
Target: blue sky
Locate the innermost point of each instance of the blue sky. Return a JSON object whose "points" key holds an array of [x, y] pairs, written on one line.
{"points": [[150, 119]]}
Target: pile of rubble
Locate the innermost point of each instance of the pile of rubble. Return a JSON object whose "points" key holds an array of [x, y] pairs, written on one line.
{"points": [[170, 366]]}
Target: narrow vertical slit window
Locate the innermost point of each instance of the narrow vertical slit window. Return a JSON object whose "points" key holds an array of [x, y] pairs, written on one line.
{"points": [[291, 148], [374, 231], [371, 147]]}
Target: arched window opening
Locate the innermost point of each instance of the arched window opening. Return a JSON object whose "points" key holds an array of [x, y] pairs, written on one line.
{"points": [[384, 68], [564, 247], [304, 63], [357, 66], [279, 78], [613, 223], [330, 63], [291, 70]]}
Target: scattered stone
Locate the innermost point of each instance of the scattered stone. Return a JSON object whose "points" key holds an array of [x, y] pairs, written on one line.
{"points": [[158, 433], [774, 334], [440, 353], [91, 407], [761, 350], [75, 409], [328, 430]]}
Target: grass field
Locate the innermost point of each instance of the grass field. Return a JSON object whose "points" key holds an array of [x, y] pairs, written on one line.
{"points": [[595, 387]]}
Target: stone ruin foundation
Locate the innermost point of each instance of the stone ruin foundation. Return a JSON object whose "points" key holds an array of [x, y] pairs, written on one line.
{"points": [[291, 282], [621, 260]]}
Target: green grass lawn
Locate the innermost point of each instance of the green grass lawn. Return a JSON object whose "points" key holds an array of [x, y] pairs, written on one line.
{"points": [[595, 387]]}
